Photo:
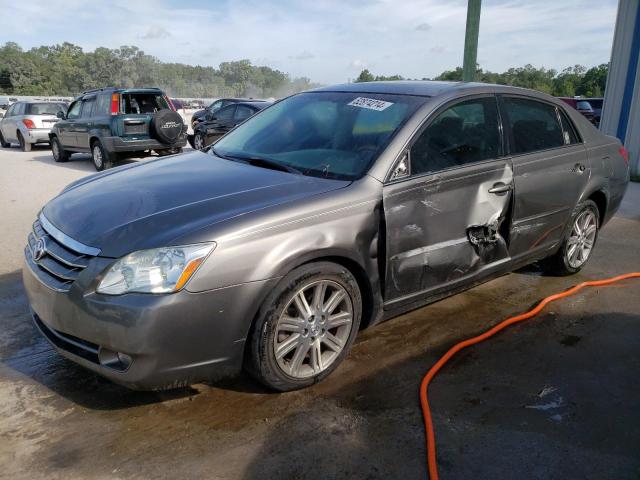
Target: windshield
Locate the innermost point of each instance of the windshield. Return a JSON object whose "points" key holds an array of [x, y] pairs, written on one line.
{"points": [[326, 134], [45, 108]]}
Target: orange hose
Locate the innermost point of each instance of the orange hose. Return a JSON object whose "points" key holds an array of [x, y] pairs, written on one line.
{"points": [[424, 400]]}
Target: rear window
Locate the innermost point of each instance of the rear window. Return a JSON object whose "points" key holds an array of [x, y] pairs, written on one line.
{"points": [[45, 108], [140, 103]]}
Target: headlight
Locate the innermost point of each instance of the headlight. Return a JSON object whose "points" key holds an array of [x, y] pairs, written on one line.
{"points": [[161, 270]]}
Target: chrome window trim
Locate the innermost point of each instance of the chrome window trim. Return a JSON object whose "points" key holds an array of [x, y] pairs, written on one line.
{"points": [[66, 240]]}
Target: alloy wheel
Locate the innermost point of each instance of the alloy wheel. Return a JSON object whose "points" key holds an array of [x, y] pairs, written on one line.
{"points": [[582, 238], [198, 142], [56, 151], [313, 329], [97, 157]]}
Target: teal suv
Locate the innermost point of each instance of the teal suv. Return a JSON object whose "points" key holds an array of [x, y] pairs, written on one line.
{"points": [[114, 123]]}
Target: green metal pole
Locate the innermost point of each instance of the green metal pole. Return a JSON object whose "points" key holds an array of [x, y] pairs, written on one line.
{"points": [[471, 41]]}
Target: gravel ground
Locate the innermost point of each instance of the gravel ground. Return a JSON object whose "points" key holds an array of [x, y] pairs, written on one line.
{"points": [[556, 398]]}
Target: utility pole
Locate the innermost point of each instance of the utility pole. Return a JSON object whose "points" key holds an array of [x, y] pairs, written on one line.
{"points": [[471, 41]]}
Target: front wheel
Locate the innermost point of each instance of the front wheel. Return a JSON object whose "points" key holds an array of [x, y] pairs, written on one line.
{"points": [[578, 244], [306, 327], [198, 141]]}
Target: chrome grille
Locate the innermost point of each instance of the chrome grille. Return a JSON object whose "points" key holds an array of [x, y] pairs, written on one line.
{"points": [[53, 260]]}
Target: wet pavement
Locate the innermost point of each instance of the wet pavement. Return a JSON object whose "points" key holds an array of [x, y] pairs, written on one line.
{"points": [[557, 397]]}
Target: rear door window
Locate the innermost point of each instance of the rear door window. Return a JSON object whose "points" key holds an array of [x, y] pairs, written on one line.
{"points": [[87, 107], [242, 113], [534, 125], [464, 133], [226, 114]]}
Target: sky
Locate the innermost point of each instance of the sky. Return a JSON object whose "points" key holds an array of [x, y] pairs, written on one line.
{"points": [[329, 41]]}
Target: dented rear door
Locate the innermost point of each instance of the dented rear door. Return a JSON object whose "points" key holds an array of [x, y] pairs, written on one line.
{"points": [[445, 227]]}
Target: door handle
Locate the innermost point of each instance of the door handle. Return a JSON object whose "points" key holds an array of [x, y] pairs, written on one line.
{"points": [[501, 188], [579, 168]]}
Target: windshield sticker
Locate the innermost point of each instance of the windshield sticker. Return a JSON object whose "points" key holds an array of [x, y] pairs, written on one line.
{"points": [[370, 103]]}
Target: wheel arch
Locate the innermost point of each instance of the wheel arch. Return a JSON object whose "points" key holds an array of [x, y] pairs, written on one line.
{"points": [[600, 198]]}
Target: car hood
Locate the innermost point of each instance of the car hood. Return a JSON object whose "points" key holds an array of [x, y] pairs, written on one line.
{"points": [[150, 204]]}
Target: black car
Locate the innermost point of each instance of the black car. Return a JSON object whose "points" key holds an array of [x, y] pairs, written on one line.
{"points": [[596, 104], [114, 123], [209, 112], [207, 132]]}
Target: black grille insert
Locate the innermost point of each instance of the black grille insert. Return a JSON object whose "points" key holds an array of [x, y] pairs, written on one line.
{"points": [[54, 263]]}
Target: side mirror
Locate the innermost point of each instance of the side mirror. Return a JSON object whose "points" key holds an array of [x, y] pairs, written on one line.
{"points": [[61, 115]]}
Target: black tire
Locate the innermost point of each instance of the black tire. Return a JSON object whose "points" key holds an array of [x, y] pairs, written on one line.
{"points": [[559, 263], [166, 126], [3, 143], [24, 145], [59, 153], [261, 362], [102, 159], [169, 151]]}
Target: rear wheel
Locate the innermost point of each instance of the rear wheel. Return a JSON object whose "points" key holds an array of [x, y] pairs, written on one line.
{"points": [[101, 159], [59, 154], [3, 143], [24, 145], [578, 244], [305, 327]]}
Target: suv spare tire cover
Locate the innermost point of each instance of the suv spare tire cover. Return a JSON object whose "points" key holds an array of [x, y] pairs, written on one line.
{"points": [[166, 126]]}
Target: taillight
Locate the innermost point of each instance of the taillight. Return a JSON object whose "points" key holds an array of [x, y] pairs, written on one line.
{"points": [[115, 103], [624, 153], [28, 123]]}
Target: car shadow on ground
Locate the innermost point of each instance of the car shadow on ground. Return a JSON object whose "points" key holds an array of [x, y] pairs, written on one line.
{"points": [[81, 161]]}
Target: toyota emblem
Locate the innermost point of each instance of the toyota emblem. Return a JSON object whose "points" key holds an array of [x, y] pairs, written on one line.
{"points": [[40, 249]]}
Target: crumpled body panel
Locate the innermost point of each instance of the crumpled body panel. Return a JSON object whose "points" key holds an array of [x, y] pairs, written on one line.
{"points": [[444, 227]]}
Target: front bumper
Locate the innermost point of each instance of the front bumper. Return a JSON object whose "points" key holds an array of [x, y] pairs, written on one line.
{"points": [[118, 144], [165, 340]]}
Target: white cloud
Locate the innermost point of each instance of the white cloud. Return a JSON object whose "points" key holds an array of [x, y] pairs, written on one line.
{"points": [[155, 32], [385, 35], [357, 64]]}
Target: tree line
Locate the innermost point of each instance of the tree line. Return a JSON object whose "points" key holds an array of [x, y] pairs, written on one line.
{"points": [[571, 81], [67, 70]]}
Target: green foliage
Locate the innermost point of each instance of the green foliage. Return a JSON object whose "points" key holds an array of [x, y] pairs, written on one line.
{"points": [[367, 76], [576, 80], [67, 70]]}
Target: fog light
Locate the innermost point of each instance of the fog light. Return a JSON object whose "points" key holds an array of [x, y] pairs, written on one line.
{"points": [[125, 360], [115, 360]]}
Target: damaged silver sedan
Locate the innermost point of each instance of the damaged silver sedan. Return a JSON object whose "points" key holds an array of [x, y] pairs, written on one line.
{"points": [[323, 214]]}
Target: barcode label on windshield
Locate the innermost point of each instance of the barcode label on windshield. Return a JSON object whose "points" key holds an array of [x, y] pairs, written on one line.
{"points": [[370, 103]]}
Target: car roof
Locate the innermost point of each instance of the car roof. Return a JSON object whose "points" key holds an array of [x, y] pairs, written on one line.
{"points": [[260, 104], [240, 99], [428, 88]]}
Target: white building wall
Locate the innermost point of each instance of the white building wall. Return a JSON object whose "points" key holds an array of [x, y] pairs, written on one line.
{"points": [[622, 96]]}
